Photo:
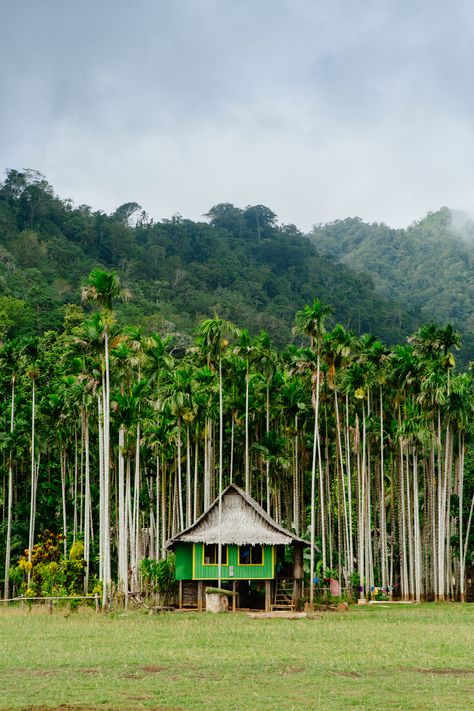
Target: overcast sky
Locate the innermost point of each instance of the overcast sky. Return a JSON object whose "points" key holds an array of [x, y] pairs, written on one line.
{"points": [[318, 109]]}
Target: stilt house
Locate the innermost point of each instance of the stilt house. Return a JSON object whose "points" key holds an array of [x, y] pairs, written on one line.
{"points": [[261, 561]]}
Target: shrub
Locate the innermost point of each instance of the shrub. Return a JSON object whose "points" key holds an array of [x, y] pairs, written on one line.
{"points": [[159, 576], [51, 574]]}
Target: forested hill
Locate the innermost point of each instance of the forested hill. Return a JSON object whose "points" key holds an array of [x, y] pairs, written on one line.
{"points": [[429, 265], [239, 263]]}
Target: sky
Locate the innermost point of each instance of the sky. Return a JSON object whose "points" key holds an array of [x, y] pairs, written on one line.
{"points": [[318, 109]]}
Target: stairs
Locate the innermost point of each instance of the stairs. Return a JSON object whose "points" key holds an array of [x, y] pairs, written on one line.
{"points": [[283, 595]]}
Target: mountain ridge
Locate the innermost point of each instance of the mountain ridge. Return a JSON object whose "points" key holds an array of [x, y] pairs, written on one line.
{"points": [[240, 263]]}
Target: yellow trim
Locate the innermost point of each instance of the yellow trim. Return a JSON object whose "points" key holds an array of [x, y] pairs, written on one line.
{"points": [[265, 577], [238, 580], [224, 547], [251, 565]]}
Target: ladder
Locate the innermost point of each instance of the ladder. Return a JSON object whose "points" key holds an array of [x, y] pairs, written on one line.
{"points": [[283, 594]]}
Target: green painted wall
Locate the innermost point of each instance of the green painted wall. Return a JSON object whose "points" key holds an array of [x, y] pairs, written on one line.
{"points": [[184, 561], [186, 571]]}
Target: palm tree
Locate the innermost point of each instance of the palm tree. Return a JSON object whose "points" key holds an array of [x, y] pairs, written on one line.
{"points": [[102, 287], [338, 346], [274, 453], [294, 406], [267, 361], [310, 322], [10, 356], [249, 351], [33, 374], [214, 334], [177, 395]]}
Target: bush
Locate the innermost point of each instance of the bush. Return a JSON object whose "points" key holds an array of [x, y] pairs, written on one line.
{"points": [[159, 576], [51, 574]]}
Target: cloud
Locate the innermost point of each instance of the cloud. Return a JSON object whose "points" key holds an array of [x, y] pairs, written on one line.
{"points": [[318, 110]]}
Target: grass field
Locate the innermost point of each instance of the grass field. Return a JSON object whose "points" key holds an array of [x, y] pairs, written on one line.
{"points": [[370, 658]]}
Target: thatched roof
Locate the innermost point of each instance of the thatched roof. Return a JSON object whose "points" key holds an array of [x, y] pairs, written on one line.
{"points": [[243, 522]]}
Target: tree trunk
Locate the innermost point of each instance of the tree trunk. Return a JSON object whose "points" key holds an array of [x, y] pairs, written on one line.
{"points": [[122, 520], [31, 533], [6, 589], [87, 499], [63, 497]]}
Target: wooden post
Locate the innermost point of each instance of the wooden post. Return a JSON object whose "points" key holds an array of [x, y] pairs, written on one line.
{"points": [[50, 607], [297, 572], [180, 594], [97, 606], [234, 597], [200, 595], [268, 595]]}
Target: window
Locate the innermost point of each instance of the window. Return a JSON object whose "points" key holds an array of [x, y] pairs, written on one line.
{"points": [[211, 554], [250, 555]]}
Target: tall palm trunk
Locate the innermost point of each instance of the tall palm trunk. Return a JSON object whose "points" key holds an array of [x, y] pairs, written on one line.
{"points": [[267, 430], [247, 465], [106, 475], [63, 458], [129, 515], [296, 487], [207, 464], [403, 526], [157, 510], [460, 514], [75, 489], [411, 570], [87, 499], [136, 510], [31, 533], [188, 477], [221, 464], [100, 419], [316, 454], [348, 563], [363, 572], [6, 589], [180, 483], [383, 523], [349, 486], [163, 511], [196, 473], [231, 460], [122, 520], [416, 525]]}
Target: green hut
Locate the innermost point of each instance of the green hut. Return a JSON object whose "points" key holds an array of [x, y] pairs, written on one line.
{"points": [[262, 562]]}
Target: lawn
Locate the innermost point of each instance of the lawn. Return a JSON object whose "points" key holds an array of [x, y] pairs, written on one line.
{"points": [[369, 658]]}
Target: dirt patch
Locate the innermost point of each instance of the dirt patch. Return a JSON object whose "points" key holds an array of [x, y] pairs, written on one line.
{"points": [[289, 671], [79, 707], [442, 672], [130, 675], [349, 674], [152, 669], [62, 707], [89, 671], [46, 672]]}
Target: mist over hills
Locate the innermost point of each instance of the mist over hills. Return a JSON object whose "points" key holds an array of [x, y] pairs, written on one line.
{"points": [[429, 265], [239, 262]]}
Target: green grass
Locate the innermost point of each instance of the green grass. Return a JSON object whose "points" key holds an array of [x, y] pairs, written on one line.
{"points": [[370, 658]]}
